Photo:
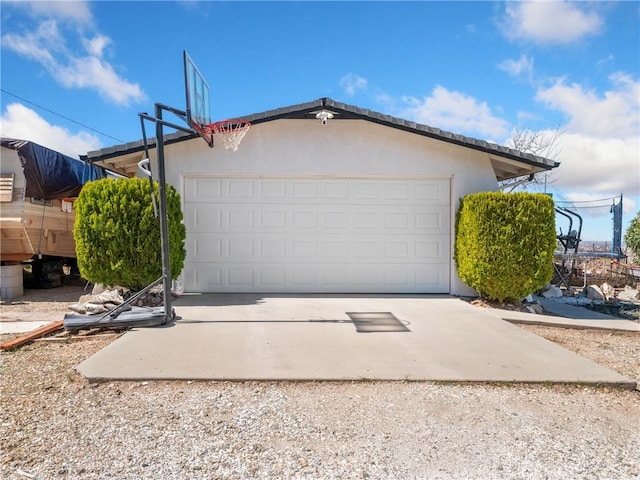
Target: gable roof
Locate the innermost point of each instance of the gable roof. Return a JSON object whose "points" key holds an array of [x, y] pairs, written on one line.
{"points": [[507, 162]]}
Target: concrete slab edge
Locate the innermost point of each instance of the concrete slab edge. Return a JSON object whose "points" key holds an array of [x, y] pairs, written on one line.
{"points": [[618, 384], [517, 317], [576, 326]]}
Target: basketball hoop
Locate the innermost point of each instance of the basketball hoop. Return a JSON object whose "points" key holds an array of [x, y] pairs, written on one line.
{"points": [[231, 132]]}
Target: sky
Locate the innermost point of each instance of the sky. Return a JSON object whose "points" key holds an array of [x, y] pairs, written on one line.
{"points": [[75, 75]]}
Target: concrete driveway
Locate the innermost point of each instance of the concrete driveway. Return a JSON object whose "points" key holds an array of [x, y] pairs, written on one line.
{"points": [[339, 337]]}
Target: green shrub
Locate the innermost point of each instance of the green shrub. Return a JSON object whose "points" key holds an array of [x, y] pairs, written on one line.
{"points": [[117, 236], [632, 237], [504, 243]]}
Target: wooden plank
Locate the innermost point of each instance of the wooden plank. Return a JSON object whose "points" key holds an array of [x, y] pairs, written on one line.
{"points": [[32, 335], [6, 187]]}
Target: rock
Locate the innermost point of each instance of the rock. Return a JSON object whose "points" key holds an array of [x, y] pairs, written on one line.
{"points": [[528, 298], [98, 289], [552, 292], [593, 292], [608, 291], [629, 294], [535, 308]]}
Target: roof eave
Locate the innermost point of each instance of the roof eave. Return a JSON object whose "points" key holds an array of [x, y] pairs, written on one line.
{"points": [[344, 111]]}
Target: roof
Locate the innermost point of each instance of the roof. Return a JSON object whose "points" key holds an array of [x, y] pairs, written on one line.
{"points": [[507, 162]]}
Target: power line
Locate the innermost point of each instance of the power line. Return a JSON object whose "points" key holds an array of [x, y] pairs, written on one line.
{"points": [[60, 115]]}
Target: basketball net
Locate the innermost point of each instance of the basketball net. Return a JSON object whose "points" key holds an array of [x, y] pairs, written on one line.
{"points": [[230, 132]]}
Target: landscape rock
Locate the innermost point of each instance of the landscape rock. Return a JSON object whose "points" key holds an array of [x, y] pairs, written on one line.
{"points": [[608, 291], [98, 288], [593, 292], [535, 308], [629, 294], [552, 292]]}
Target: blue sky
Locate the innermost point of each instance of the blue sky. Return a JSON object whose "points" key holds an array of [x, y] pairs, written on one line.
{"points": [[76, 74]]}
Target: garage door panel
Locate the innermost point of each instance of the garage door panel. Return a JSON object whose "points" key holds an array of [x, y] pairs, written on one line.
{"points": [[202, 189], [273, 277], [335, 190], [304, 189], [366, 249], [275, 249], [304, 219], [205, 247], [432, 279], [304, 277], [239, 277], [207, 279], [200, 217], [343, 191], [433, 193], [338, 278], [239, 219], [270, 219], [434, 250], [240, 189], [299, 248], [273, 189], [435, 220], [240, 248], [335, 249], [366, 190], [317, 235], [397, 219], [398, 249], [335, 219], [398, 190]]}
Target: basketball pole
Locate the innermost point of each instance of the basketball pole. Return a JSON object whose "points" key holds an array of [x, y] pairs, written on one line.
{"points": [[162, 194], [164, 220]]}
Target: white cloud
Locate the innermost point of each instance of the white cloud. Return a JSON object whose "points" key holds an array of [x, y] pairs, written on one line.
{"points": [[518, 68], [23, 123], [599, 165], [86, 68], [96, 74], [76, 11], [550, 22], [599, 150], [616, 113], [352, 82], [455, 111], [96, 45], [29, 44]]}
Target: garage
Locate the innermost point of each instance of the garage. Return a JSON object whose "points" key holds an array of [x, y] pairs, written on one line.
{"points": [[361, 203], [317, 234]]}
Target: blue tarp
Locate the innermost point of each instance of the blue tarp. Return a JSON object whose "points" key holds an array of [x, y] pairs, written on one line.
{"points": [[49, 174]]}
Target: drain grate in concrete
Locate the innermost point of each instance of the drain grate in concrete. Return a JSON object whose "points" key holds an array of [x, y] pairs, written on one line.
{"points": [[369, 322]]}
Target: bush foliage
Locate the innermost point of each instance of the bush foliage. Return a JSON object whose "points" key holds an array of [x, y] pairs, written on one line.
{"points": [[118, 237], [632, 237], [504, 243]]}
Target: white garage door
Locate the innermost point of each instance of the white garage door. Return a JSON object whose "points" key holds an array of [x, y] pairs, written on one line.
{"points": [[322, 235]]}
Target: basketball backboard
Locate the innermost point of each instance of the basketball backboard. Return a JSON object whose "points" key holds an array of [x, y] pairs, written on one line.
{"points": [[197, 99]]}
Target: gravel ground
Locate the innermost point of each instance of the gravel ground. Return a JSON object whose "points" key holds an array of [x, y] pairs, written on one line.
{"points": [[54, 425]]}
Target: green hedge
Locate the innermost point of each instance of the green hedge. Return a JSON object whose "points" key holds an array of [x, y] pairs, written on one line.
{"points": [[117, 236], [504, 243]]}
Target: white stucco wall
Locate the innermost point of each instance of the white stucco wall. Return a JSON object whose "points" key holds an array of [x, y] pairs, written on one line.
{"points": [[341, 148]]}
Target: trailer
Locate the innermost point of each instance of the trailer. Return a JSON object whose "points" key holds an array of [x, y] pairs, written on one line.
{"points": [[38, 187]]}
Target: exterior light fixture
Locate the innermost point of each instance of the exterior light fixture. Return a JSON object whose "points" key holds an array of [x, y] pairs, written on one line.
{"points": [[324, 116]]}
